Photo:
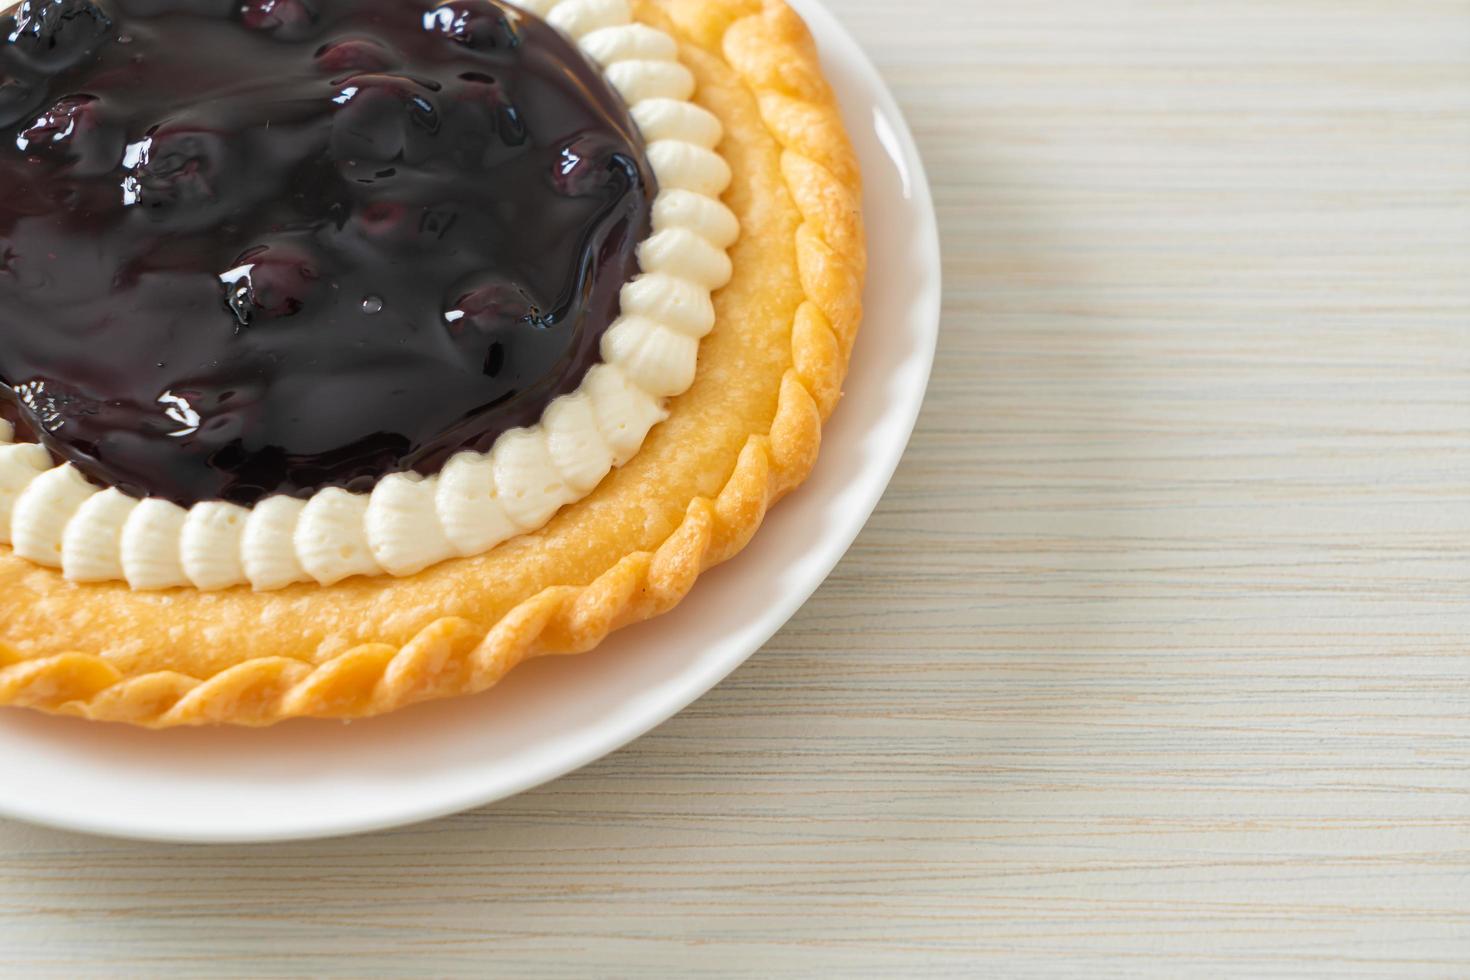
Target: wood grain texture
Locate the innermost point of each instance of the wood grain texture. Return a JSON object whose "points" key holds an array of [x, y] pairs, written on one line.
{"points": [[1153, 660]]}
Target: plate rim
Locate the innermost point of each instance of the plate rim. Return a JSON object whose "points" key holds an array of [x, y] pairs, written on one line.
{"points": [[836, 45]]}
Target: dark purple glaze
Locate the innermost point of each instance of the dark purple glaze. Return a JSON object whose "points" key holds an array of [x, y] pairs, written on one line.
{"points": [[269, 248]]}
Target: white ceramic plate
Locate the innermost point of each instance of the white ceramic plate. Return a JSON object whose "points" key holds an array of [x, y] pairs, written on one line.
{"points": [[307, 779]]}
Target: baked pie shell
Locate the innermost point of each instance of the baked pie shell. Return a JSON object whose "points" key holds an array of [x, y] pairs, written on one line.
{"points": [[742, 436]]}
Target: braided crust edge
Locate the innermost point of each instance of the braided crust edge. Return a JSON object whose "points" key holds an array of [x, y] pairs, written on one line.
{"points": [[768, 47]]}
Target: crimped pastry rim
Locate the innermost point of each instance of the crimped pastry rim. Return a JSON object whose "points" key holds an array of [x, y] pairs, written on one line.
{"points": [[769, 50]]}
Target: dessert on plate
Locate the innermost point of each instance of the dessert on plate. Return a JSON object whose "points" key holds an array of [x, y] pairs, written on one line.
{"points": [[354, 351]]}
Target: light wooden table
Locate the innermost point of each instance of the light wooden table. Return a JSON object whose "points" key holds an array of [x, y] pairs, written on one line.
{"points": [[1153, 659]]}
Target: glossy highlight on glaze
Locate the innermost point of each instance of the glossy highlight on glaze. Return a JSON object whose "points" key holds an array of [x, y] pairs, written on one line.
{"points": [[270, 248]]}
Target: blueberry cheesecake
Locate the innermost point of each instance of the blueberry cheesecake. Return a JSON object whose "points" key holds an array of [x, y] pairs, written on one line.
{"points": [[354, 351]]}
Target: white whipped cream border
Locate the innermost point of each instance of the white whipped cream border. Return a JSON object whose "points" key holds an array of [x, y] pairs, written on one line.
{"points": [[52, 516]]}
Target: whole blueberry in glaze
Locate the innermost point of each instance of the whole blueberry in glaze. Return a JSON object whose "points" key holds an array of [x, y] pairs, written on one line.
{"points": [[50, 35], [587, 165], [337, 238], [72, 131], [382, 117], [180, 165], [491, 307], [484, 27], [352, 54], [58, 126], [269, 280], [289, 20]]}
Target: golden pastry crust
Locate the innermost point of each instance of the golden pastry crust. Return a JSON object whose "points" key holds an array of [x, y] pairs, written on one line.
{"points": [[745, 433]]}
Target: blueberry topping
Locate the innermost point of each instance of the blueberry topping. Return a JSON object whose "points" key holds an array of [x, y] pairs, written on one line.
{"points": [[269, 246]]}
